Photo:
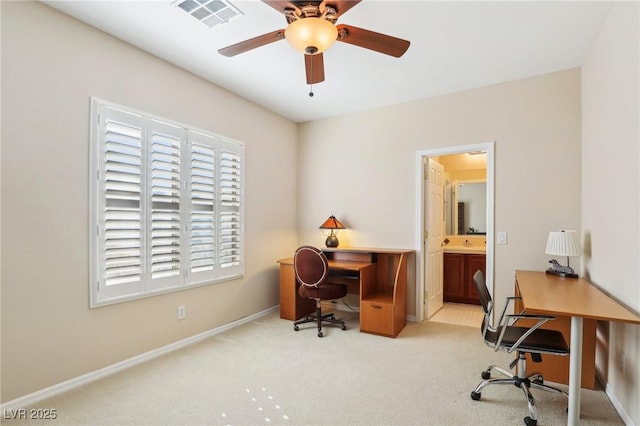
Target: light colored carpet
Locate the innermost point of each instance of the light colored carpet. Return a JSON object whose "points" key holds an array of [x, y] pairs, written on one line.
{"points": [[265, 373]]}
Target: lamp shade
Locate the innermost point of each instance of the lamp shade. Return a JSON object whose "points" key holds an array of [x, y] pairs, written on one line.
{"points": [[563, 243], [311, 35], [332, 223]]}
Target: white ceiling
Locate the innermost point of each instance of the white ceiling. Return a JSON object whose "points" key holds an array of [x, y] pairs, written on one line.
{"points": [[454, 46]]}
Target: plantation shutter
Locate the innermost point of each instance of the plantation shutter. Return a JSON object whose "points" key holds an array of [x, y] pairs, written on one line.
{"points": [[166, 206], [215, 201], [120, 263], [230, 211], [203, 194], [165, 188]]}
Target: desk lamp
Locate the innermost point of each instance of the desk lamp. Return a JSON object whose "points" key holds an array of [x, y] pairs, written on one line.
{"points": [[332, 223], [562, 243]]}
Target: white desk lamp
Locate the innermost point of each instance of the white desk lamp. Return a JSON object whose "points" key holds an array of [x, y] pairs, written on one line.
{"points": [[562, 243]]}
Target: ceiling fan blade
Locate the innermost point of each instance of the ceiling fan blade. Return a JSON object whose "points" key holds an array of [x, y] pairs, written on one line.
{"points": [[314, 66], [371, 40], [281, 5], [252, 43], [341, 6]]}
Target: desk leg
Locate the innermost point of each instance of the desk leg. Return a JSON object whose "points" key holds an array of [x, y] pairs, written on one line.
{"points": [[575, 371]]}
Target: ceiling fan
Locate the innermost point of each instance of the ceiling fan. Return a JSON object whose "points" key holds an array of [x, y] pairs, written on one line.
{"points": [[312, 30]]}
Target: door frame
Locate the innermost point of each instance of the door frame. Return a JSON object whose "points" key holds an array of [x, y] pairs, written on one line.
{"points": [[489, 148]]}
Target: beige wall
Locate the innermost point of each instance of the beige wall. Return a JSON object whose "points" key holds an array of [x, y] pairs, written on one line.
{"points": [[51, 65], [362, 167], [611, 190]]}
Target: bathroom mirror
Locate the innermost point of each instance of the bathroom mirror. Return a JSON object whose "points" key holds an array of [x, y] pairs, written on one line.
{"points": [[468, 212]]}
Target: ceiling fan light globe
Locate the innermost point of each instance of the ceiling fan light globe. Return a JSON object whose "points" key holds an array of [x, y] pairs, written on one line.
{"points": [[311, 35]]}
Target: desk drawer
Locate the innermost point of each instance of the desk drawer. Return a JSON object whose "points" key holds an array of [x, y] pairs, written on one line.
{"points": [[376, 317]]}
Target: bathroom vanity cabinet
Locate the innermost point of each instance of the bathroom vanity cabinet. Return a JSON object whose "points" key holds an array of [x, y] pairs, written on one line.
{"points": [[458, 286]]}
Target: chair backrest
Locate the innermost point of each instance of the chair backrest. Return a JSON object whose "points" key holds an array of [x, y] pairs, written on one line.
{"points": [[488, 331], [483, 292], [509, 336], [311, 266]]}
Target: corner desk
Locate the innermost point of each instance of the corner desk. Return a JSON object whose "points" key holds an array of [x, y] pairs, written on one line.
{"points": [[379, 276], [585, 304]]}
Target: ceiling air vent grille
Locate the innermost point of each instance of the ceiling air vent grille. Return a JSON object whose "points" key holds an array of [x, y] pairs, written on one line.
{"points": [[209, 12]]}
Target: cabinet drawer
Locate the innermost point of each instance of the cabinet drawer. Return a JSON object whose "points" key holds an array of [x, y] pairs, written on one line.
{"points": [[376, 317]]}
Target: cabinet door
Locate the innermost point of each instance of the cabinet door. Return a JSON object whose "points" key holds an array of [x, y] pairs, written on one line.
{"points": [[376, 317], [476, 262], [454, 278]]}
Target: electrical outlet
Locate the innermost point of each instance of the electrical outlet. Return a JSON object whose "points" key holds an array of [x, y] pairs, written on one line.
{"points": [[182, 312]]}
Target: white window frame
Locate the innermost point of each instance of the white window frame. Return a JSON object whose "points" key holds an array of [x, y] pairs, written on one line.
{"points": [[194, 215]]}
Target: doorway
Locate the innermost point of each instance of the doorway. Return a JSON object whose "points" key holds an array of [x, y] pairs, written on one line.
{"points": [[429, 292]]}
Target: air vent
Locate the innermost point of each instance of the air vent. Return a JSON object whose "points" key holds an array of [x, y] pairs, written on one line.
{"points": [[209, 12]]}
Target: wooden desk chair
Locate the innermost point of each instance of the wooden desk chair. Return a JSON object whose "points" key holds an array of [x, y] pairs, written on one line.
{"points": [[311, 268], [522, 340]]}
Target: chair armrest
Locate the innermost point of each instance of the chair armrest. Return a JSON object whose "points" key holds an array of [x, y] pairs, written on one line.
{"points": [[529, 316], [506, 306]]}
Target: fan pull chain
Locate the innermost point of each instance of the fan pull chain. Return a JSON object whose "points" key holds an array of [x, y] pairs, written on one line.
{"points": [[311, 77]]}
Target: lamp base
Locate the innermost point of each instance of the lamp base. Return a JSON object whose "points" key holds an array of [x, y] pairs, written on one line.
{"points": [[561, 274], [332, 241]]}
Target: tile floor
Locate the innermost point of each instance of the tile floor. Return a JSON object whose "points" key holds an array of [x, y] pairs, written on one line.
{"points": [[459, 314]]}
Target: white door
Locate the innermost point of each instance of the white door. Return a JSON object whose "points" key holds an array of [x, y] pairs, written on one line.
{"points": [[434, 224]]}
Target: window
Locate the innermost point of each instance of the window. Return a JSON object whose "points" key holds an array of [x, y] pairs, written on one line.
{"points": [[166, 206]]}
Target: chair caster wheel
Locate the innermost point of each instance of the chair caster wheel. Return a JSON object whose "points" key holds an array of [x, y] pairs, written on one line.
{"points": [[530, 422], [344, 327], [485, 375], [476, 395], [320, 334], [296, 328]]}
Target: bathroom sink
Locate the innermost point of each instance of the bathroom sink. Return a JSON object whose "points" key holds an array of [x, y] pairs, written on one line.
{"points": [[465, 249]]}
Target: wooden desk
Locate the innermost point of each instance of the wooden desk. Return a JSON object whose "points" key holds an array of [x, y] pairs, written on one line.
{"points": [[292, 306], [378, 275], [556, 368], [578, 299]]}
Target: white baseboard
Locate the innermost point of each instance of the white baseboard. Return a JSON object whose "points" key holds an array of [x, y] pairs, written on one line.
{"points": [[65, 386], [617, 405]]}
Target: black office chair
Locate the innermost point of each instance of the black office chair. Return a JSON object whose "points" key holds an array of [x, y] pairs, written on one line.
{"points": [[522, 340], [312, 268]]}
